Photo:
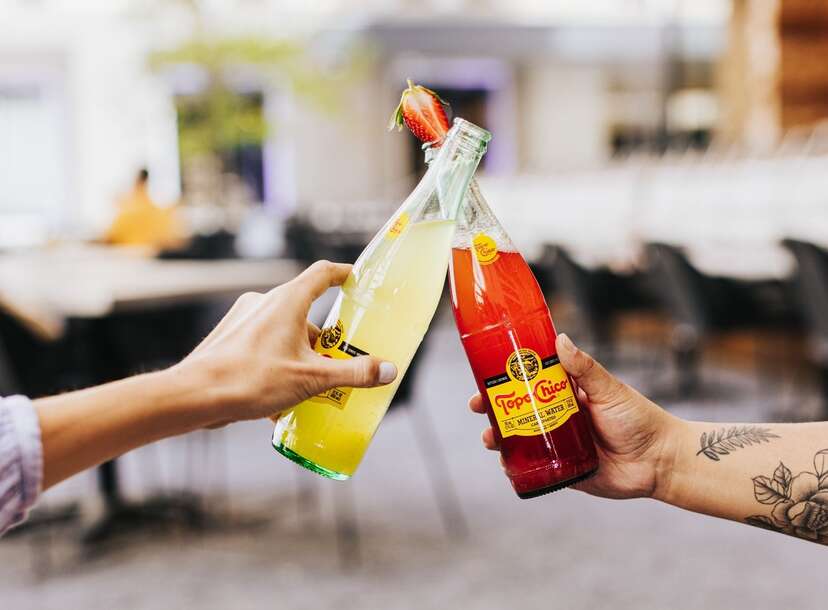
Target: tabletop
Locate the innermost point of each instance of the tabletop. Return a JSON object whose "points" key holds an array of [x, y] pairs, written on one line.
{"points": [[45, 287]]}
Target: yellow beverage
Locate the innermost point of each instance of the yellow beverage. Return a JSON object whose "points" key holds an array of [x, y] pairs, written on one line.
{"points": [[383, 309]]}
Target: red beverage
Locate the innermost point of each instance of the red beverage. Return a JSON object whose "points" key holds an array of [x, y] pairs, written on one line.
{"points": [[507, 332]]}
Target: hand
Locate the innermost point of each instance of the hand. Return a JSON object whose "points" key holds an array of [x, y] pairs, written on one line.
{"points": [[632, 434], [259, 359]]}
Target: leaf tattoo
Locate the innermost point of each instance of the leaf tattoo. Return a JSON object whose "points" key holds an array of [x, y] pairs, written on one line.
{"points": [[799, 502], [763, 522], [821, 463], [727, 440], [769, 491], [782, 474]]}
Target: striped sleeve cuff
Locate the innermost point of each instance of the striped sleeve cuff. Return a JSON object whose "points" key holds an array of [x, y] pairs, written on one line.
{"points": [[21, 459]]}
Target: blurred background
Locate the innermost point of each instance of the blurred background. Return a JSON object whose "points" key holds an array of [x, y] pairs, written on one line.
{"points": [[661, 163]]}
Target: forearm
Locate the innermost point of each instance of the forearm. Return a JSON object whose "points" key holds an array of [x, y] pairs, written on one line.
{"points": [[82, 429], [767, 475]]}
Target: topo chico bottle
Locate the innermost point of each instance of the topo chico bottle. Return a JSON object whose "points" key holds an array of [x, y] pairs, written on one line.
{"points": [[509, 338], [384, 309]]}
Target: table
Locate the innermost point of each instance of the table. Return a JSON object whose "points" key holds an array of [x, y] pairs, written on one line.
{"points": [[44, 288], [48, 288]]}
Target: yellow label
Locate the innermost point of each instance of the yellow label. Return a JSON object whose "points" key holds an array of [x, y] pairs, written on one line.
{"points": [[532, 396], [330, 344], [485, 249], [399, 226]]}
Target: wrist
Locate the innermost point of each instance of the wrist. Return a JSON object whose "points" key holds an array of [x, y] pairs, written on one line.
{"points": [[188, 396], [669, 465]]}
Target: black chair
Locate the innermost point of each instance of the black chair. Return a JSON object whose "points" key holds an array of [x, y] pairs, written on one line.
{"points": [[811, 289], [590, 292], [124, 344], [600, 297], [704, 307]]}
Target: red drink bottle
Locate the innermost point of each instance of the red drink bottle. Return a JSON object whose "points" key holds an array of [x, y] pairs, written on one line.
{"points": [[507, 332]]}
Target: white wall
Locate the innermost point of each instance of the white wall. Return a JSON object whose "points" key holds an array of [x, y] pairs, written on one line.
{"points": [[350, 155], [117, 118], [564, 116]]}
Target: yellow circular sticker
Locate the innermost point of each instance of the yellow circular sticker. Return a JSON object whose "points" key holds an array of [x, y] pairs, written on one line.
{"points": [[399, 226], [485, 249], [331, 336], [523, 365]]}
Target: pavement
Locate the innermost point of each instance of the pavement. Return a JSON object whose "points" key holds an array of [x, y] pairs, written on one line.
{"points": [[278, 545]]}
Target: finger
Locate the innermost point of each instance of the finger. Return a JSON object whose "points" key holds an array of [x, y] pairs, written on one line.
{"points": [[598, 385], [489, 440], [360, 372], [313, 333], [476, 404], [316, 279]]}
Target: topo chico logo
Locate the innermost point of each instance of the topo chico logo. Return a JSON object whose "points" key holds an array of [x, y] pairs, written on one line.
{"points": [[523, 365], [331, 335], [544, 392]]}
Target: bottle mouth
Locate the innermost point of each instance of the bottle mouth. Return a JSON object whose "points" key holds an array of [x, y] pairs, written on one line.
{"points": [[470, 131], [467, 137]]}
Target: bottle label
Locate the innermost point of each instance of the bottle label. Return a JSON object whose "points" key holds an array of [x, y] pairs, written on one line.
{"points": [[532, 396], [485, 249], [399, 226], [330, 344]]}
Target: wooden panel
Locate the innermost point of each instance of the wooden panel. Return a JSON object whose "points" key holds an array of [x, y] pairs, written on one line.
{"points": [[803, 14]]}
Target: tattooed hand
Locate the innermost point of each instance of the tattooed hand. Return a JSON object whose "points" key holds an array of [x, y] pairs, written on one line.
{"points": [[702, 467], [632, 434]]}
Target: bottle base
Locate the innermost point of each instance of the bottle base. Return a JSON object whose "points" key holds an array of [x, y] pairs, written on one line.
{"points": [[528, 495], [312, 466]]}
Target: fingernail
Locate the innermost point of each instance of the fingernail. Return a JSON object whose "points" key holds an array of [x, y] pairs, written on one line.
{"points": [[387, 372], [566, 342]]}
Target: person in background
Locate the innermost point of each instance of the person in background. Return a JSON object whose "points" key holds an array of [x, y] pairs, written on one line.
{"points": [[257, 362], [773, 476], [142, 222]]}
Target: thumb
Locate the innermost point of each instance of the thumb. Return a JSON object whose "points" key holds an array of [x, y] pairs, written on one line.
{"points": [[598, 384], [359, 372]]}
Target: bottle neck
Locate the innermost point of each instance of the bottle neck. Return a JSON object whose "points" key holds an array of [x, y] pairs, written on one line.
{"points": [[474, 208], [475, 215], [453, 164]]}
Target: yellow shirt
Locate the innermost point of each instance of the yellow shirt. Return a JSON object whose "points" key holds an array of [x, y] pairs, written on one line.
{"points": [[140, 222]]}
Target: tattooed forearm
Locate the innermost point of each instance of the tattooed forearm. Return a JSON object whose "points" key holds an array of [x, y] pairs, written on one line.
{"points": [[726, 440], [800, 503]]}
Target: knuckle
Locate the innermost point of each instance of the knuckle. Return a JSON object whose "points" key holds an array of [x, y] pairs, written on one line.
{"points": [[324, 267], [307, 376], [366, 372], [587, 363], [248, 298]]}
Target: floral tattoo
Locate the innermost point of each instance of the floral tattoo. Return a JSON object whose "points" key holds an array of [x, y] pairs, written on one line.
{"points": [[800, 503], [726, 440]]}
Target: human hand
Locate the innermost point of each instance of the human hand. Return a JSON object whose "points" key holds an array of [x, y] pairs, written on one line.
{"points": [[259, 359], [632, 434]]}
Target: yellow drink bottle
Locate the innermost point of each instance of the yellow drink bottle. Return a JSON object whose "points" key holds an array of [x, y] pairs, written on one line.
{"points": [[384, 309]]}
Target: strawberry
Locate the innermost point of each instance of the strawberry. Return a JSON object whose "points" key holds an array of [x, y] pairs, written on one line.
{"points": [[423, 112]]}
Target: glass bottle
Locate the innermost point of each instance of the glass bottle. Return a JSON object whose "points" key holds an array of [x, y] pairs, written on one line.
{"points": [[384, 309], [509, 338]]}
